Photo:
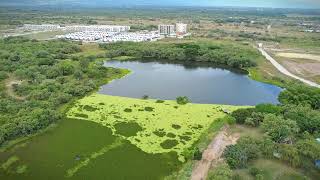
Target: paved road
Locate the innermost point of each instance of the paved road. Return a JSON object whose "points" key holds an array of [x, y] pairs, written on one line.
{"points": [[283, 70]]}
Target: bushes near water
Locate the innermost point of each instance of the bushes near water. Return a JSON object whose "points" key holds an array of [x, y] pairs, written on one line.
{"points": [[290, 128], [182, 100], [226, 53], [51, 75]]}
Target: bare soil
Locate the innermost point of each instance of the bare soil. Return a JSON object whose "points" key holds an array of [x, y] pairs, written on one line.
{"points": [[9, 83], [300, 56], [212, 155], [304, 69]]}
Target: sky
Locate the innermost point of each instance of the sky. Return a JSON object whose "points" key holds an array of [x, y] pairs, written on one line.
{"points": [[242, 3]]}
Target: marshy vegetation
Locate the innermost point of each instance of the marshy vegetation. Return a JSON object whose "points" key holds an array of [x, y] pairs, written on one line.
{"points": [[151, 126]]}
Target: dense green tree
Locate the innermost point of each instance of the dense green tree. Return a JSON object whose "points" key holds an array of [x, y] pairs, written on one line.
{"points": [[279, 129], [301, 95], [242, 114], [255, 119], [269, 108], [229, 54], [238, 155], [48, 81], [306, 118]]}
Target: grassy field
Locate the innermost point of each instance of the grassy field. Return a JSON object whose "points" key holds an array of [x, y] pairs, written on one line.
{"points": [[153, 126], [44, 35], [271, 170]]}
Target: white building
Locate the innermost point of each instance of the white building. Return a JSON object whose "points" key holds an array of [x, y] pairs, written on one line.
{"points": [[76, 28], [132, 37], [166, 30], [41, 27], [181, 28], [87, 35], [106, 28]]}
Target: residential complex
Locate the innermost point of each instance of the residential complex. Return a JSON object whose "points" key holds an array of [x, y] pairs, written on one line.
{"points": [[105, 28], [181, 28], [133, 37], [178, 30], [109, 37], [41, 27], [52, 27], [166, 30], [110, 33]]}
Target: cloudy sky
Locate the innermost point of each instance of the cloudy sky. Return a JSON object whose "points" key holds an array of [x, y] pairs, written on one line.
{"points": [[245, 3]]}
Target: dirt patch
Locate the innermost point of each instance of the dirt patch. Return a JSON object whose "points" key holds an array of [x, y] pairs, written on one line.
{"points": [[213, 153], [10, 83], [300, 56], [304, 69]]}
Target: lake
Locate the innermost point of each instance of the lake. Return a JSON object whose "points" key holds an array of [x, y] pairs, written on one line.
{"points": [[201, 84], [80, 149]]}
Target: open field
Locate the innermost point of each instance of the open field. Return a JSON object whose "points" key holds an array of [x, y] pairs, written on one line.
{"points": [[271, 170], [300, 56], [153, 126], [304, 65]]}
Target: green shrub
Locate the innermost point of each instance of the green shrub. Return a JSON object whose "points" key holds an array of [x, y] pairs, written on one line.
{"points": [[160, 101], [197, 154], [268, 108], [254, 171], [279, 129], [255, 119], [242, 114], [182, 100], [306, 118], [238, 155], [221, 172]]}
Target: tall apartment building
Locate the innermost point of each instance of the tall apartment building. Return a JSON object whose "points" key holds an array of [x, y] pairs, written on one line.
{"points": [[166, 30], [181, 28]]}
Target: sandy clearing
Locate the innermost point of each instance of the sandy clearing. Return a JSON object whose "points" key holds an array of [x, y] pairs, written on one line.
{"points": [[213, 153], [306, 69], [299, 56], [284, 71], [9, 83]]}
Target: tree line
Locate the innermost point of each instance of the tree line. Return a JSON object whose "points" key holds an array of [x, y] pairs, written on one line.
{"points": [[51, 75], [290, 129], [228, 54]]}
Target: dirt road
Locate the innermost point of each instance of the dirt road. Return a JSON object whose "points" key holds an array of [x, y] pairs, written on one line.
{"points": [[284, 70], [213, 153]]}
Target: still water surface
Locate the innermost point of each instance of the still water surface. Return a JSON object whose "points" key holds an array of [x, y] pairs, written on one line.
{"points": [[209, 85]]}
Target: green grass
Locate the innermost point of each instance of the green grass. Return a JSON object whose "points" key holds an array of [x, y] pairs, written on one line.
{"points": [[9, 162], [157, 127], [44, 35], [271, 170]]}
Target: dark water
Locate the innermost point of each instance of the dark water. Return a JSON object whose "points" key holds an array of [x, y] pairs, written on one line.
{"points": [[204, 84], [49, 156]]}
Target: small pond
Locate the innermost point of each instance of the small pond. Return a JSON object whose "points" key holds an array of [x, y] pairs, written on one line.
{"points": [[200, 83]]}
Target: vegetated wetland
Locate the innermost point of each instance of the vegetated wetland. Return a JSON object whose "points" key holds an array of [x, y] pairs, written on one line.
{"points": [[77, 149], [147, 137], [152, 135], [118, 137], [46, 76]]}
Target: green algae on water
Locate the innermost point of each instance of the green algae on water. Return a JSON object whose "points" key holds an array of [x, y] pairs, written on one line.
{"points": [[147, 128]]}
